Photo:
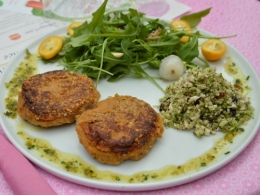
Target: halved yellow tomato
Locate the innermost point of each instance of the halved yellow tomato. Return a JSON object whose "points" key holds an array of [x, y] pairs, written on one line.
{"points": [[50, 47], [213, 49], [182, 25], [73, 25]]}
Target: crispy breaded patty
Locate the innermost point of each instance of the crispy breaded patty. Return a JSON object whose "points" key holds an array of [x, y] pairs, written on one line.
{"points": [[119, 128], [56, 97]]}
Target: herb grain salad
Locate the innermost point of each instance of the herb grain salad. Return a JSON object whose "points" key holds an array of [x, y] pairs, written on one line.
{"points": [[119, 43], [206, 102]]}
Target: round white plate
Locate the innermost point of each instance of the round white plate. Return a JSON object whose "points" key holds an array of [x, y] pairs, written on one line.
{"points": [[175, 147]]}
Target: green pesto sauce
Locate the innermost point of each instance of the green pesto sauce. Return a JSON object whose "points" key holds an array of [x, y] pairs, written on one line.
{"points": [[26, 69], [75, 164], [240, 81]]}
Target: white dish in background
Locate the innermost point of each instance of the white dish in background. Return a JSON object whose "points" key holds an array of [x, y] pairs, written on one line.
{"points": [[164, 9], [65, 10], [175, 147]]}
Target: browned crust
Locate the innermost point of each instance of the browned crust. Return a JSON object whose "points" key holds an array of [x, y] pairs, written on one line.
{"points": [[119, 128], [56, 97]]}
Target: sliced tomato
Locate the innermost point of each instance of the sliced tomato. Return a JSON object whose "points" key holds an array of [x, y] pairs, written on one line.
{"points": [[50, 47], [213, 49]]}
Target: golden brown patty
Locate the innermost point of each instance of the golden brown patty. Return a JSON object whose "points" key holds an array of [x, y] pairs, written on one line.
{"points": [[56, 97], [119, 128]]}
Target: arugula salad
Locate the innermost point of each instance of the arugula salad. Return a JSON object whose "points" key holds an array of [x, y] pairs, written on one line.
{"points": [[125, 42]]}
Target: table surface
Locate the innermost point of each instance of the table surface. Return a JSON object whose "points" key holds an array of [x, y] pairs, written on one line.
{"points": [[242, 175]]}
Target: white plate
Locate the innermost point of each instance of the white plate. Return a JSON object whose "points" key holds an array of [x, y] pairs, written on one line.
{"points": [[175, 148]]}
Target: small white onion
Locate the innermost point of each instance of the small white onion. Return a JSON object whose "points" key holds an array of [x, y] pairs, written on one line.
{"points": [[171, 68]]}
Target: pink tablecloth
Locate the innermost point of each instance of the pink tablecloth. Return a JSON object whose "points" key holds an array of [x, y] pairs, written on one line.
{"points": [[242, 175]]}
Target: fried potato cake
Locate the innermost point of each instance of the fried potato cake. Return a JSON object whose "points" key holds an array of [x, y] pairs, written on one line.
{"points": [[56, 97], [119, 128]]}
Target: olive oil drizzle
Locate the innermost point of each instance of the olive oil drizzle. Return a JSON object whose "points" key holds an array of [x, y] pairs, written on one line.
{"points": [[240, 81], [26, 69], [76, 165]]}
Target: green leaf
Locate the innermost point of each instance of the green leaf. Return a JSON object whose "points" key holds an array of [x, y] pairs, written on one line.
{"points": [[82, 33], [188, 51], [129, 32], [195, 18], [128, 54], [168, 43], [107, 57], [119, 72], [154, 64], [125, 18], [74, 53], [97, 20], [138, 71], [117, 76]]}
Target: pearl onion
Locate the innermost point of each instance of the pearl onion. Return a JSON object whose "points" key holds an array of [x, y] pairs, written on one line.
{"points": [[171, 68]]}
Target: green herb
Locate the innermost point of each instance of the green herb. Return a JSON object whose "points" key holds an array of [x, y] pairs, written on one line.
{"points": [[241, 129], [30, 147], [203, 164], [154, 176], [195, 18], [247, 78], [27, 52], [9, 114], [227, 152], [238, 81], [49, 152], [145, 177], [90, 49]]}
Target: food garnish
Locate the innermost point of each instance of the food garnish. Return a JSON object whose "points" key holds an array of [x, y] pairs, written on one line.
{"points": [[50, 47], [213, 49]]}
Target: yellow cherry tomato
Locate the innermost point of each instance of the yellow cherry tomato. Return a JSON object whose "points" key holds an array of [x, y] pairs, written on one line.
{"points": [[50, 47], [182, 25], [73, 25], [213, 49]]}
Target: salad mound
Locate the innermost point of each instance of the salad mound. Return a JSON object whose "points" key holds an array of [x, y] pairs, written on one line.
{"points": [[125, 42]]}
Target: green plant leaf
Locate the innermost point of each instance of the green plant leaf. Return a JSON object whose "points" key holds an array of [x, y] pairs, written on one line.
{"points": [[188, 51], [195, 18]]}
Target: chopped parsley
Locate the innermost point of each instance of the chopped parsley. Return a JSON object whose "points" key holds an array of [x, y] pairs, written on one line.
{"points": [[203, 164]]}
